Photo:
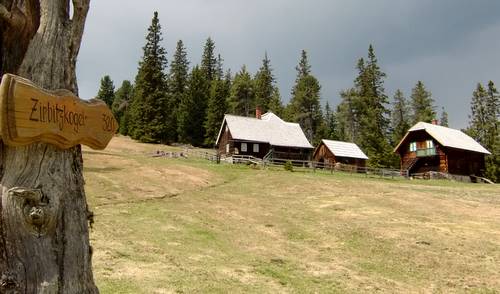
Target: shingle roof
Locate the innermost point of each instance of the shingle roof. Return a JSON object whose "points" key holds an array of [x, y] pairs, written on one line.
{"points": [[269, 129], [344, 149], [447, 137]]}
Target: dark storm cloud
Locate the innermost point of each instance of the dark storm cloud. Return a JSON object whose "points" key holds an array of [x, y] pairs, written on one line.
{"points": [[449, 44]]}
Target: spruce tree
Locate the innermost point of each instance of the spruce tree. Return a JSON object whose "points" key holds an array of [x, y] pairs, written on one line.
{"points": [[177, 81], [484, 126], [373, 92], [492, 171], [330, 123], [219, 68], [304, 107], [275, 104], [149, 108], [371, 111], [444, 118], [106, 91], [264, 84], [400, 117], [492, 142], [478, 124], [217, 108], [492, 116], [242, 99], [422, 104], [192, 109], [363, 116], [347, 117], [121, 106], [212, 70], [303, 68], [209, 61], [125, 123]]}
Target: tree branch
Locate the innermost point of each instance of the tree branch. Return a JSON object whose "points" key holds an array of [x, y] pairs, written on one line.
{"points": [[80, 10]]}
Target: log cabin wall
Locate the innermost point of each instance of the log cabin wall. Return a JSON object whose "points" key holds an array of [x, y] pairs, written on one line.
{"points": [[357, 162], [443, 159], [463, 162], [261, 150], [224, 140], [350, 161], [360, 162], [292, 153], [323, 154], [228, 146], [435, 162]]}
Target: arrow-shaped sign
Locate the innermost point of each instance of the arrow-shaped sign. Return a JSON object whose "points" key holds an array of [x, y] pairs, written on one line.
{"points": [[29, 114]]}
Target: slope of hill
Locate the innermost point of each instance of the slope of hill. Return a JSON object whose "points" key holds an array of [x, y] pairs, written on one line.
{"points": [[187, 225]]}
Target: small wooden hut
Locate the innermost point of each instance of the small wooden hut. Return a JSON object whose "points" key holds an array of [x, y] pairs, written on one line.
{"points": [[430, 147], [332, 152]]}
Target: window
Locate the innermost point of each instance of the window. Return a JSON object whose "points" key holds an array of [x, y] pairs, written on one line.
{"points": [[227, 148], [413, 146], [429, 144], [244, 147], [255, 148]]}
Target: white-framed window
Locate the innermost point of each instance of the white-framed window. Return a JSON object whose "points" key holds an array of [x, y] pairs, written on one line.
{"points": [[227, 148], [255, 148], [244, 147], [429, 144], [413, 146]]}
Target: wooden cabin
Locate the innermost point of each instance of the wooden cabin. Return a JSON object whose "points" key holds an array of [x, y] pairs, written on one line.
{"points": [[332, 152], [263, 135], [430, 147]]}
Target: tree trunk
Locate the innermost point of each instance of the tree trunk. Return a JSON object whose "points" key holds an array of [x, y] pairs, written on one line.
{"points": [[44, 238]]}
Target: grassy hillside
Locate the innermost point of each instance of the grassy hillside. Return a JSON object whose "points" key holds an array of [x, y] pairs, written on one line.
{"points": [[186, 225]]}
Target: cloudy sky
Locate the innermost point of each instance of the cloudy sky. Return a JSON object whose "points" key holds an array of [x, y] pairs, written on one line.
{"points": [[450, 45]]}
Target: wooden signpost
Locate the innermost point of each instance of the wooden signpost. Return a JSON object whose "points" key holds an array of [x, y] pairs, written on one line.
{"points": [[29, 114]]}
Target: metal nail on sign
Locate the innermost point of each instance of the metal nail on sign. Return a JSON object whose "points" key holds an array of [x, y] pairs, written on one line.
{"points": [[29, 114]]}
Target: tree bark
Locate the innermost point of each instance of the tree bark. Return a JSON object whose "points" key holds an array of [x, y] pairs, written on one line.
{"points": [[44, 237]]}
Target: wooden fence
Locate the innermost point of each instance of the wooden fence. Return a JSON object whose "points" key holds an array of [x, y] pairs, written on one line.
{"points": [[338, 167], [212, 156], [306, 165], [314, 166]]}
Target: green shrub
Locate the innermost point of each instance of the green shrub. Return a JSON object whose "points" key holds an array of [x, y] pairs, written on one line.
{"points": [[288, 166]]}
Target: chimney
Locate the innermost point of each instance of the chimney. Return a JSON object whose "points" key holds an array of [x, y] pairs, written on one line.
{"points": [[258, 113], [435, 122]]}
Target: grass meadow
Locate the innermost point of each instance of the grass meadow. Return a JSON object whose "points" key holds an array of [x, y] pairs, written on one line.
{"points": [[182, 225]]}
